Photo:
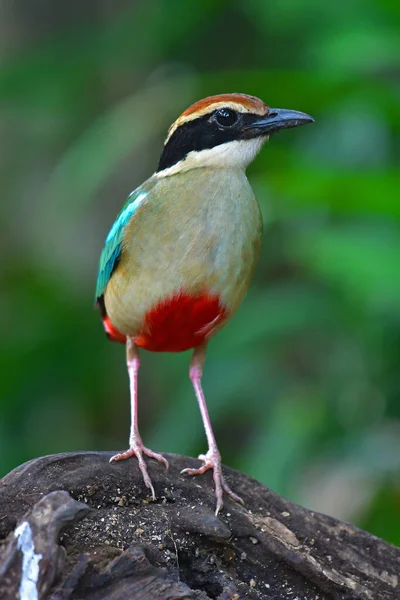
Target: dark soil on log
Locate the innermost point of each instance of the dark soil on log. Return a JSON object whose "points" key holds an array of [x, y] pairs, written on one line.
{"points": [[105, 538]]}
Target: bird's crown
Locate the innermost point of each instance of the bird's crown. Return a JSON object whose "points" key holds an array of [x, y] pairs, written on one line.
{"points": [[222, 131], [224, 103]]}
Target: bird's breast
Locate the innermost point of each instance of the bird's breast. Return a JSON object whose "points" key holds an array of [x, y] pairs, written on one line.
{"points": [[189, 254]]}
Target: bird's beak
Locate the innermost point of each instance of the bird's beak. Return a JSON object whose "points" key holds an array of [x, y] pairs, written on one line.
{"points": [[276, 119]]}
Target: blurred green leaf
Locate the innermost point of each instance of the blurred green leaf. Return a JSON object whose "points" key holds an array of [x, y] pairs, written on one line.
{"points": [[361, 260]]}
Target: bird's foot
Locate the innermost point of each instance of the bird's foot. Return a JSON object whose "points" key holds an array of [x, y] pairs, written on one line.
{"points": [[137, 449], [212, 460]]}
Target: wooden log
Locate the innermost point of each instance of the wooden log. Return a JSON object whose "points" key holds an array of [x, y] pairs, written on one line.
{"points": [[127, 546]]}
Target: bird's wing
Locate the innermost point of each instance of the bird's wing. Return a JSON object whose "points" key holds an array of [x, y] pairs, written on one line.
{"points": [[111, 253]]}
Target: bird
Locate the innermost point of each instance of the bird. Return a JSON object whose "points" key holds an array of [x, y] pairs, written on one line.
{"points": [[179, 257]]}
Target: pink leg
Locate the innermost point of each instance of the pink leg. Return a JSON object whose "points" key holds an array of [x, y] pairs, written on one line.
{"points": [[136, 447], [212, 460]]}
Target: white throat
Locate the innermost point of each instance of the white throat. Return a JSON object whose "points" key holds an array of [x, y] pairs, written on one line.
{"points": [[235, 154]]}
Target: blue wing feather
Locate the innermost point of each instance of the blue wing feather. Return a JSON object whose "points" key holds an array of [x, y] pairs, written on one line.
{"points": [[112, 250]]}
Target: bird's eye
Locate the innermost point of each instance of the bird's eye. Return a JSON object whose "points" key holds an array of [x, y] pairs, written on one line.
{"points": [[226, 117]]}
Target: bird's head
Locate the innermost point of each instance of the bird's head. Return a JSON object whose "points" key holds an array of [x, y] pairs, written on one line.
{"points": [[224, 131]]}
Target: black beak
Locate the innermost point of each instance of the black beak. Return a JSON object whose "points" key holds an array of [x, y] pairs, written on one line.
{"points": [[276, 119]]}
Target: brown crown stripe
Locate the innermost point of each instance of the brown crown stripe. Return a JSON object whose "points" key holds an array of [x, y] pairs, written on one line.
{"points": [[238, 102], [251, 103]]}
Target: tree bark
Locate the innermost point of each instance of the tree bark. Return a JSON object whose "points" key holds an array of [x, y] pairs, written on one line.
{"points": [[74, 526]]}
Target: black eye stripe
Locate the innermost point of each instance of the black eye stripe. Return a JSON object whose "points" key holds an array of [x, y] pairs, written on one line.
{"points": [[204, 133]]}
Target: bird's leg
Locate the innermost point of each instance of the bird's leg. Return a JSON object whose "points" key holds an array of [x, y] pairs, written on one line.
{"points": [[212, 460], [136, 447]]}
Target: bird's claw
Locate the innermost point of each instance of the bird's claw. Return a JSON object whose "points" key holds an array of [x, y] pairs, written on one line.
{"points": [[212, 460], [137, 449]]}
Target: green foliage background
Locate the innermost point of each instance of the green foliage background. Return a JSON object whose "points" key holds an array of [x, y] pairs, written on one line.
{"points": [[304, 384]]}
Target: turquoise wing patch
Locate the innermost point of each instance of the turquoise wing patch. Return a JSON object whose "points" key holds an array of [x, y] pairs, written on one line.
{"points": [[112, 250]]}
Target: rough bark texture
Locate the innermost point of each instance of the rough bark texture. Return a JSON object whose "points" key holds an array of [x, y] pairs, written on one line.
{"points": [[116, 544]]}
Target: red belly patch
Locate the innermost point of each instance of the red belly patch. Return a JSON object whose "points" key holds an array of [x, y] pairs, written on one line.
{"points": [[180, 323], [176, 324]]}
